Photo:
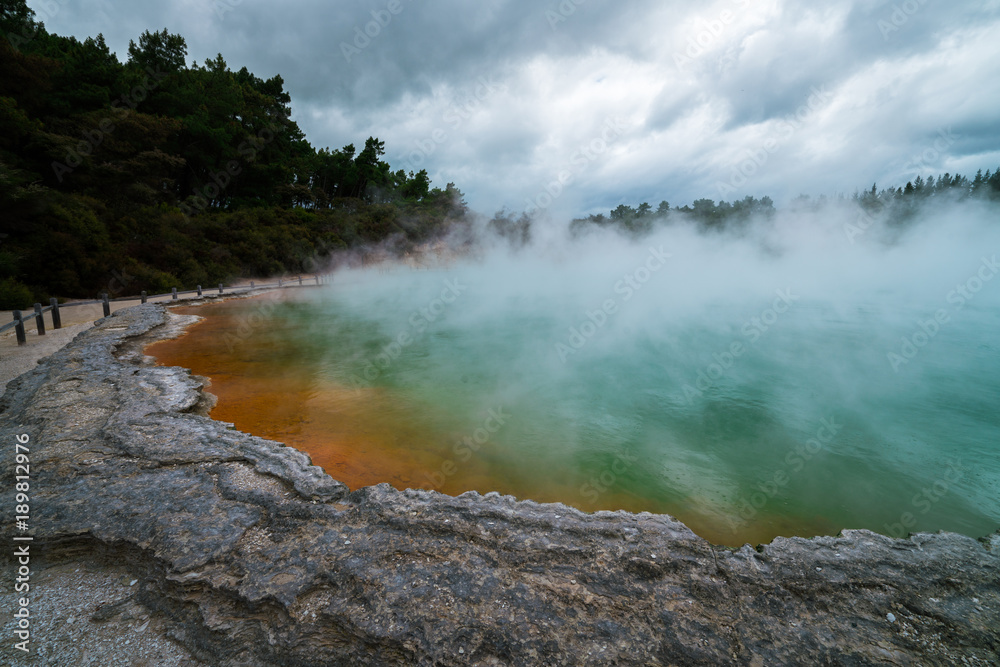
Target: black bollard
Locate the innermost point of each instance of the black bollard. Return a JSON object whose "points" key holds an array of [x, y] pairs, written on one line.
{"points": [[143, 297], [106, 305], [22, 339], [56, 318], [39, 319]]}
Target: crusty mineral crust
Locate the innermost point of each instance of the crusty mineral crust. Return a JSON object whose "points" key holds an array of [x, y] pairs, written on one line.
{"points": [[260, 558]]}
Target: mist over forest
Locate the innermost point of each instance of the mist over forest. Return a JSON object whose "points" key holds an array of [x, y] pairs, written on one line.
{"points": [[151, 173]]}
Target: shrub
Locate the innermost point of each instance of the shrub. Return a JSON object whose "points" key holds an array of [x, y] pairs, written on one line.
{"points": [[15, 295]]}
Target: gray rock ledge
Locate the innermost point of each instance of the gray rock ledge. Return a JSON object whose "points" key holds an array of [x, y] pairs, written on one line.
{"points": [[259, 558]]}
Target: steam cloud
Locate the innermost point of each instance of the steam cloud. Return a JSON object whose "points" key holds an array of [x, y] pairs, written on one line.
{"points": [[715, 357]]}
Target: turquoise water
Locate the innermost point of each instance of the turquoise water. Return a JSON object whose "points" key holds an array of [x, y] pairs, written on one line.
{"points": [[748, 393]]}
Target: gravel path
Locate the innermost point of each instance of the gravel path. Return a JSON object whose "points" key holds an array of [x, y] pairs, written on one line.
{"points": [[83, 612], [17, 359]]}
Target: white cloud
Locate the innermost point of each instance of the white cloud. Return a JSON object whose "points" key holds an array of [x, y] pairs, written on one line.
{"points": [[754, 63]]}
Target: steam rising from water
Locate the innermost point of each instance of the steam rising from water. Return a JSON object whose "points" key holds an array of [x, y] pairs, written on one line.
{"points": [[802, 377]]}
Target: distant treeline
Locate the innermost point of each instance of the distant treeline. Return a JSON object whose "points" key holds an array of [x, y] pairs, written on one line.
{"points": [[896, 205], [151, 173]]}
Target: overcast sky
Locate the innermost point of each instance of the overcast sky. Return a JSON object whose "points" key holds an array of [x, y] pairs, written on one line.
{"points": [[626, 101]]}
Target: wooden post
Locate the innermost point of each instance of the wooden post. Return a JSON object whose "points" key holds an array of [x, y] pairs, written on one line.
{"points": [[220, 288], [19, 328], [175, 293], [279, 282], [39, 319], [199, 290], [143, 296], [56, 318], [106, 304], [251, 284], [300, 281]]}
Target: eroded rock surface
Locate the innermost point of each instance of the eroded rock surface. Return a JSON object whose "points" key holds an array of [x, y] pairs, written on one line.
{"points": [[257, 557]]}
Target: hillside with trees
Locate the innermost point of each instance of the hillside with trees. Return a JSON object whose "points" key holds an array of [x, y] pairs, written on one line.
{"points": [[153, 173]]}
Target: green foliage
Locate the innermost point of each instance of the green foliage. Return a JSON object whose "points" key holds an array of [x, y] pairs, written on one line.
{"points": [[158, 51], [14, 295], [9, 264], [417, 187], [154, 174], [136, 277], [15, 16]]}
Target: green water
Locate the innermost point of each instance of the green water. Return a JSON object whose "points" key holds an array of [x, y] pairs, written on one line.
{"points": [[809, 430]]}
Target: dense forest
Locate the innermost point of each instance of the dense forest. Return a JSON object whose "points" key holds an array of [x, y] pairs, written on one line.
{"points": [[151, 173], [895, 206]]}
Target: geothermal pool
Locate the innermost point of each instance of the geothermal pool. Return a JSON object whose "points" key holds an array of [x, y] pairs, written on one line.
{"points": [[792, 384]]}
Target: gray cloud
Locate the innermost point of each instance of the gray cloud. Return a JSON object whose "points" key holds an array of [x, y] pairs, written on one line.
{"points": [[700, 87]]}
